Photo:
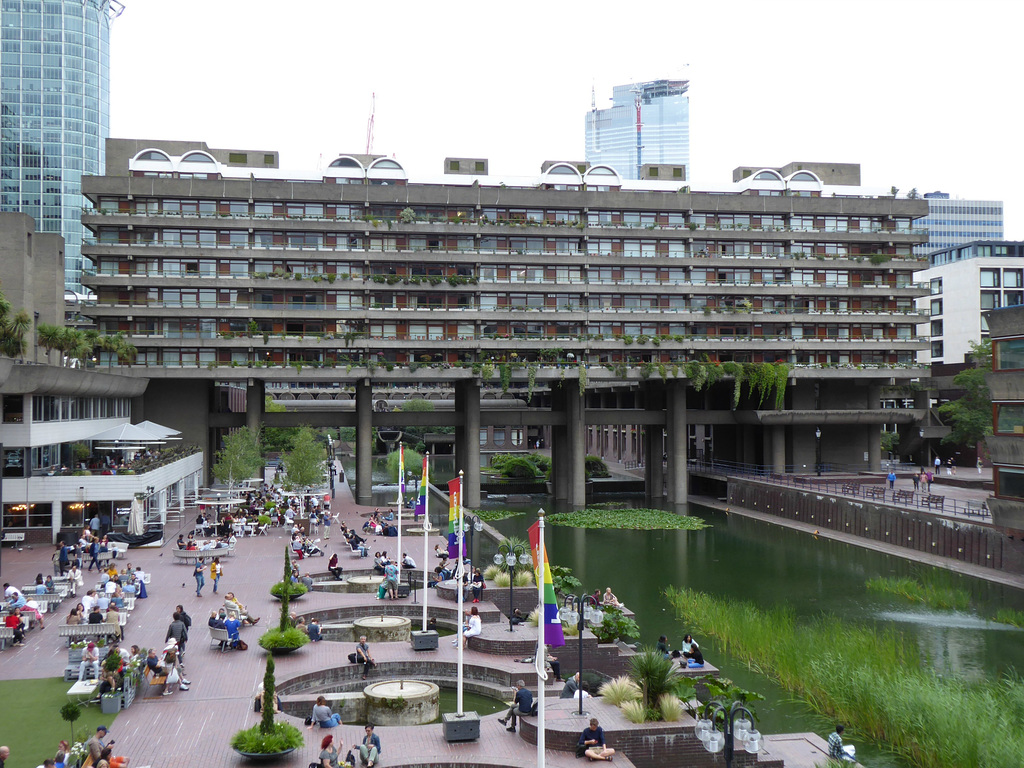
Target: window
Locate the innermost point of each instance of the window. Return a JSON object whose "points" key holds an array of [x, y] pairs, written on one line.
{"points": [[1010, 419], [1009, 354], [936, 350], [990, 300], [936, 329], [238, 157], [1009, 483], [990, 278], [936, 307]]}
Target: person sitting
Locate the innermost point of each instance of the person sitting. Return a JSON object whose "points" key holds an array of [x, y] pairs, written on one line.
{"points": [[181, 541], [297, 546], [471, 628], [75, 617], [232, 604], [662, 647], [95, 615], [13, 621], [688, 645], [477, 585], [261, 698], [517, 616], [313, 630], [572, 689], [329, 753], [610, 600], [333, 567], [836, 751], [369, 749], [694, 658], [113, 620], [323, 716], [233, 625], [363, 656], [593, 739], [108, 684], [522, 704], [90, 663]]}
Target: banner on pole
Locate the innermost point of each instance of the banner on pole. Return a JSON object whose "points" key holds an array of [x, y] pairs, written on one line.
{"points": [[541, 570], [454, 500], [421, 500]]}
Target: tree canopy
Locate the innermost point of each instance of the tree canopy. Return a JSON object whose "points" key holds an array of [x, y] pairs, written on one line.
{"points": [[240, 458], [970, 416], [304, 463]]}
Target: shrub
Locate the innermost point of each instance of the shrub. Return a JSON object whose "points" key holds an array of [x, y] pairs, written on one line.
{"points": [[655, 675], [595, 467], [501, 578], [290, 638], [523, 578], [413, 460], [519, 468], [285, 736], [635, 711], [619, 690], [491, 571], [293, 589], [616, 625]]}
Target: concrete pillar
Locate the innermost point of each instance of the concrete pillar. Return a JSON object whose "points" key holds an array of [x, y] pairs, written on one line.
{"points": [[364, 443], [654, 467], [255, 401], [467, 403], [675, 427], [874, 447], [181, 495], [559, 447], [778, 449], [874, 396], [576, 449]]}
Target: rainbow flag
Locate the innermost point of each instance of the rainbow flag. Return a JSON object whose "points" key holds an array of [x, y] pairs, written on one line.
{"points": [[421, 500], [552, 624], [401, 471], [454, 499]]}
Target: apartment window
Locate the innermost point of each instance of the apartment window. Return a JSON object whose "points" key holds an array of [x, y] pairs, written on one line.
{"points": [[1009, 354], [1012, 278], [936, 329], [1009, 483], [936, 307], [990, 278], [238, 157], [990, 300], [1010, 419], [268, 159], [936, 350]]}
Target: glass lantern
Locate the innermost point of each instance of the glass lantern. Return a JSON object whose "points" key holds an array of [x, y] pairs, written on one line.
{"points": [[499, 559], [525, 558], [740, 728], [702, 729], [478, 525], [753, 743], [715, 742]]}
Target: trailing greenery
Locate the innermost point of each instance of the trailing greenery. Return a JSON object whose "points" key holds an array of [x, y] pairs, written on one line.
{"points": [[761, 379], [294, 589], [634, 519], [936, 591], [873, 680], [595, 466]]}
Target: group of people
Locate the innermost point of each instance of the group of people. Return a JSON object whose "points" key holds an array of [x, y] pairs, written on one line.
{"points": [[20, 612], [330, 751], [689, 655]]}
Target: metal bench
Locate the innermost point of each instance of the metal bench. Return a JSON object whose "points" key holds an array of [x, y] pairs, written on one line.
{"points": [[934, 501], [6, 635], [13, 536], [851, 488], [978, 508]]}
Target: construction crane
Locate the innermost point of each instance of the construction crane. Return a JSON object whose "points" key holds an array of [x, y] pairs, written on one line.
{"points": [[369, 123]]}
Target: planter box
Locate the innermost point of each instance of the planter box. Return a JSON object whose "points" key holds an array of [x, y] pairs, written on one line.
{"points": [[465, 728], [425, 640], [110, 703]]}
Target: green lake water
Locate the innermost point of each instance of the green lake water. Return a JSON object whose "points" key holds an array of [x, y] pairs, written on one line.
{"points": [[740, 558]]}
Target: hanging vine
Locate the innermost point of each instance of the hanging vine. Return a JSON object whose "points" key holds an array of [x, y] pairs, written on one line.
{"points": [[531, 380], [781, 381], [583, 377], [736, 371], [505, 369]]}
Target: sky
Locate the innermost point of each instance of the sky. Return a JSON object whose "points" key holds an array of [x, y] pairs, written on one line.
{"points": [[921, 93]]}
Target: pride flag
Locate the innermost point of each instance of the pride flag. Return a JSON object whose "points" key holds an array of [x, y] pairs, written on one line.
{"points": [[552, 624], [421, 500], [454, 500], [401, 471]]}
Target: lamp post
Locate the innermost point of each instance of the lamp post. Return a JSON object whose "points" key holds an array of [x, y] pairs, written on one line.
{"points": [[817, 449], [926, 461], [578, 610], [472, 525], [738, 729], [509, 556]]}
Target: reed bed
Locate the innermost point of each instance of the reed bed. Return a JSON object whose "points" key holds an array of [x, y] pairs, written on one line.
{"points": [[872, 680], [1010, 616], [935, 592]]}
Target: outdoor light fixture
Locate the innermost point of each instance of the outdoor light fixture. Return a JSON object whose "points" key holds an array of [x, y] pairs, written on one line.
{"points": [[817, 449], [578, 610], [509, 557], [738, 729], [472, 524]]}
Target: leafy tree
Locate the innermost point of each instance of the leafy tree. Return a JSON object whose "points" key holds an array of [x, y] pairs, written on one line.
{"points": [[890, 441], [277, 439], [240, 458], [417, 405], [304, 463], [413, 461], [970, 416]]}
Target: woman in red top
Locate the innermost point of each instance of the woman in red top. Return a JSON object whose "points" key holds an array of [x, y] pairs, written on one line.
{"points": [[13, 620]]}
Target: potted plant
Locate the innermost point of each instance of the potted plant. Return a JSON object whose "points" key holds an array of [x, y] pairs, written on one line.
{"points": [[284, 638], [110, 703], [267, 740]]}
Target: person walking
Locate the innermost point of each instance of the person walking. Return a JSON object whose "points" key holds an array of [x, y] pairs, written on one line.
{"points": [[916, 477], [979, 465], [892, 479], [216, 571], [200, 580]]}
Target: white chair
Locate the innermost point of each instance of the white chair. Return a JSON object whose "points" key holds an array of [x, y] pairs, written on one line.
{"points": [[261, 530]]}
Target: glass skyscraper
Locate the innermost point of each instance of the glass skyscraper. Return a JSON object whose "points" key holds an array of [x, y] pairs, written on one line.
{"points": [[665, 127], [54, 111], [955, 222]]}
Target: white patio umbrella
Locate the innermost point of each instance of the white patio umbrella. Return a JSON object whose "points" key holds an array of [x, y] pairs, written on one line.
{"points": [[129, 434], [136, 524], [162, 432]]}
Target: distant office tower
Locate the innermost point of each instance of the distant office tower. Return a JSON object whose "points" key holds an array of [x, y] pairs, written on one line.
{"points": [[54, 112], [664, 124], [955, 222]]}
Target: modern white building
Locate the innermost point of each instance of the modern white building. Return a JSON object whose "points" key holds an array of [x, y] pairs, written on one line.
{"points": [[664, 138], [955, 222], [965, 281]]}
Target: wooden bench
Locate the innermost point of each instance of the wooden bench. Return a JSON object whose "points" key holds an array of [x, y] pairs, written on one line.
{"points": [[154, 679], [904, 496], [934, 501], [875, 491], [976, 508], [6, 635], [851, 488]]}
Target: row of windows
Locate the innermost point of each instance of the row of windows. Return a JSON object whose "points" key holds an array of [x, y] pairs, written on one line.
{"points": [[53, 408]]}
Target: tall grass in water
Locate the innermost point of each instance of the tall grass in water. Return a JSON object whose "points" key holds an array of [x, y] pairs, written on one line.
{"points": [[935, 590], [1010, 616], [872, 680]]}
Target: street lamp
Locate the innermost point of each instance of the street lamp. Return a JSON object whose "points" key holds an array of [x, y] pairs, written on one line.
{"points": [[817, 449], [737, 729], [578, 610], [472, 524], [509, 556]]}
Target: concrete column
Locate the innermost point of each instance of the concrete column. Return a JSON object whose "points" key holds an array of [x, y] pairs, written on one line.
{"points": [[675, 427], [181, 495], [467, 403], [654, 468], [576, 449], [778, 449], [162, 505], [874, 396], [874, 447], [364, 443], [766, 447], [559, 447], [255, 400]]}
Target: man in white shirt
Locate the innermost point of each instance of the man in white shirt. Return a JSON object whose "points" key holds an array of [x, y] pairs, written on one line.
{"points": [[88, 601]]}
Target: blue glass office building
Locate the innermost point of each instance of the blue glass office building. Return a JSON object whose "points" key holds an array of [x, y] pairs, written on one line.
{"points": [[54, 111], [665, 127]]}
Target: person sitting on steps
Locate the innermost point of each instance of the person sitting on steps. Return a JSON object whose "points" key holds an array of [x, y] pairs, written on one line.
{"points": [[522, 704]]}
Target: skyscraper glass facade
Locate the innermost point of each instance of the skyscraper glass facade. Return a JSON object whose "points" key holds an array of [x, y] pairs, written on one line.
{"points": [[54, 111], [955, 222], [665, 127]]}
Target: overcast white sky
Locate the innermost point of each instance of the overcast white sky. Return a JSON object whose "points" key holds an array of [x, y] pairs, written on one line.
{"points": [[922, 94]]}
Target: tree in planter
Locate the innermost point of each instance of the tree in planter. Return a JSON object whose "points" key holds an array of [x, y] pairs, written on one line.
{"points": [[304, 463], [240, 458], [268, 737], [284, 637]]}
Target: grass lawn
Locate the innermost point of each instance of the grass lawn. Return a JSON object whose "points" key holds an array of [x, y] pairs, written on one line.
{"points": [[32, 725]]}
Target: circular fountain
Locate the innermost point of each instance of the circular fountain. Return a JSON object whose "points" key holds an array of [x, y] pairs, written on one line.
{"points": [[402, 702], [383, 629]]}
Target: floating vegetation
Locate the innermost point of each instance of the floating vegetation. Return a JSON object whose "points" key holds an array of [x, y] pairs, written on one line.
{"points": [[632, 518], [1010, 616], [871, 679], [936, 592], [490, 515]]}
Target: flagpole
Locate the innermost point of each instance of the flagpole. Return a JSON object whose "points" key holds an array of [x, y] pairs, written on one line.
{"points": [[401, 503], [458, 588], [541, 657], [425, 490]]}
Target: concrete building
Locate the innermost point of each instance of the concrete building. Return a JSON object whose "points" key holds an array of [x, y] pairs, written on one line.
{"points": [[951, 223], [583, 294], [46, 490], [1006, 444], [55, 91], [963, 283], [611, 134]]}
